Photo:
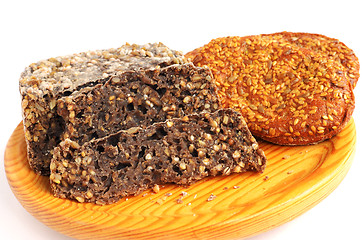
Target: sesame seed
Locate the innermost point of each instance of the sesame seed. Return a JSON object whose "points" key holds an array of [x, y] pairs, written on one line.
{"points": [[313, 128], [272, 131]]}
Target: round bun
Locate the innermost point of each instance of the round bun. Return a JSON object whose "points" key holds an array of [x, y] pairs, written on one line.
{"points": [[291, 88]]}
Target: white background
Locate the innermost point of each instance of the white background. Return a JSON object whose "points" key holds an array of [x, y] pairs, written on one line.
{"points": [[34, 30]]}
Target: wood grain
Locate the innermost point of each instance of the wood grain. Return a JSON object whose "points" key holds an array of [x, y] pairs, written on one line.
{"points": [[295, 180]]}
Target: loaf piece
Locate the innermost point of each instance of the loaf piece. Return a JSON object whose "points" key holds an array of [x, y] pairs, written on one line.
{"points": [[177, 151], [137, 98], [44, 82], [290, 87]]}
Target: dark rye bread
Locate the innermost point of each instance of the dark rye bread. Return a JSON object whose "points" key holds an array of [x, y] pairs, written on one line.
{"points": [[178, 151], [46, 81], [137, 98]]}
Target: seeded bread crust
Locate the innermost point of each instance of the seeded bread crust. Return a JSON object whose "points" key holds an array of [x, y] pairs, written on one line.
{"points": [[179, 151], [44, 82], [290, 87], [137, 99], [326, 46]]}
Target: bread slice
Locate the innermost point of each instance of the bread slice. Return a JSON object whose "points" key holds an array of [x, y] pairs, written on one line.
{"points": [[179, 150], [44, 82], [137, 99]]}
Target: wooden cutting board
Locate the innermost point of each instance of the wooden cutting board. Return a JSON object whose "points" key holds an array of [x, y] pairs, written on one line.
{"points": [[295, 180]]}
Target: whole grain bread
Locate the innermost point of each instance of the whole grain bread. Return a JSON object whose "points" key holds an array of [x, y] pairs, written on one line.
{"points": [[180, 150], [136, 99], [44, 82], [292, 88]]}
